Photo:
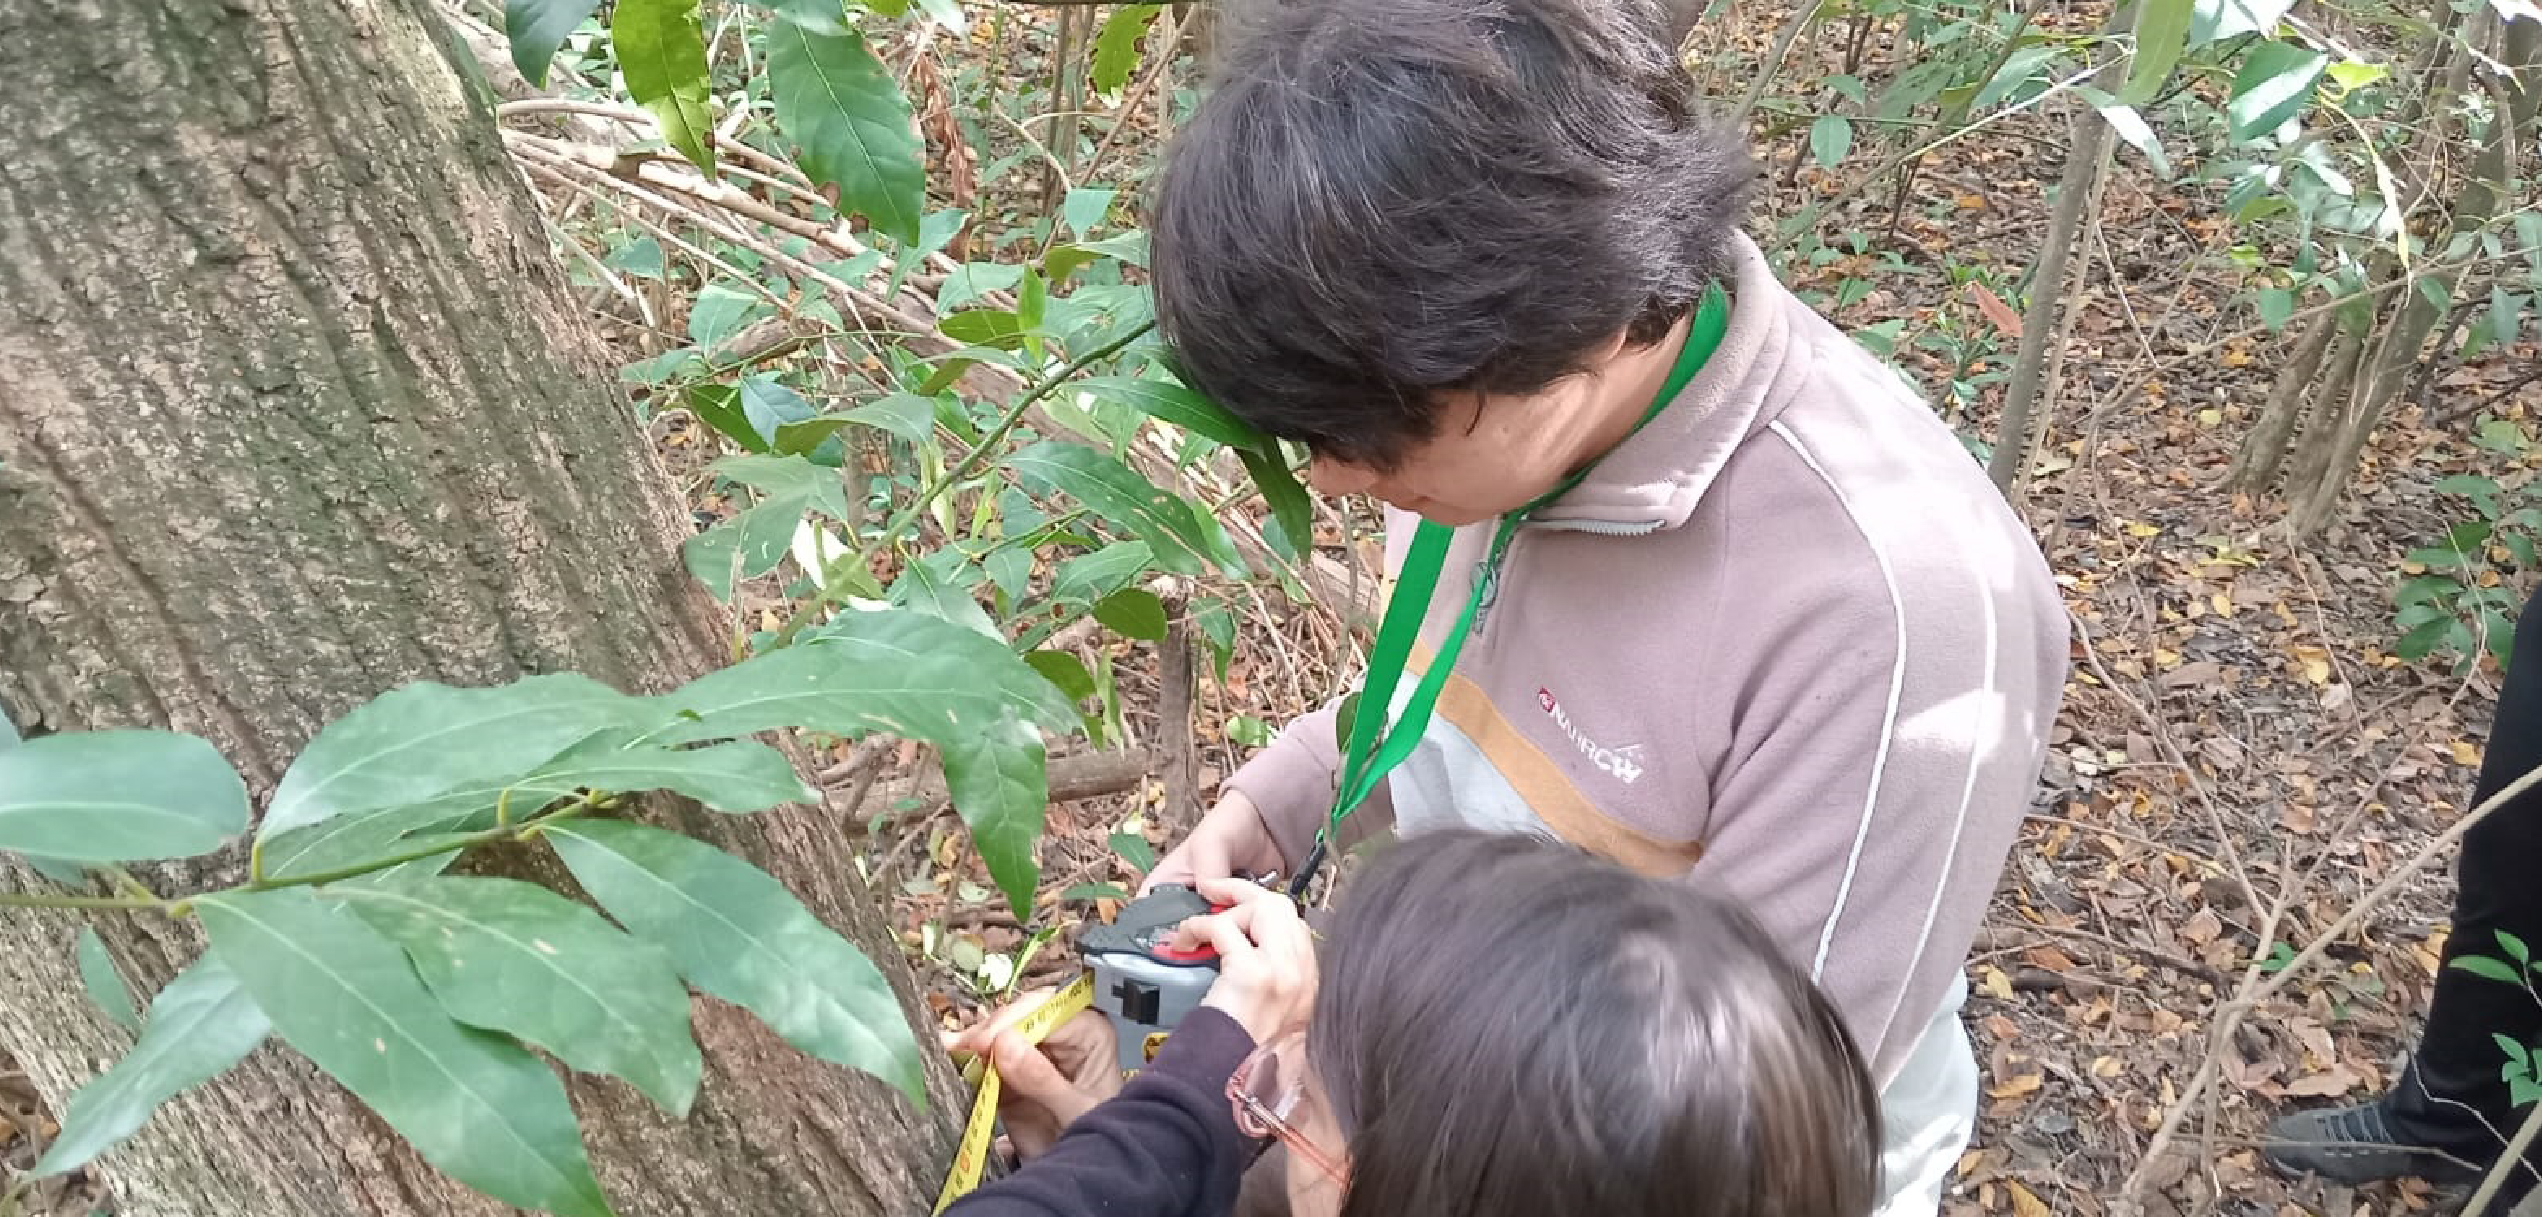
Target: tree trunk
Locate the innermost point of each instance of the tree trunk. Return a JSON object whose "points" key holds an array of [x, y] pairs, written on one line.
{"points": [[2384, 368], [291, 412], [2255, 463], [2085, 161]]}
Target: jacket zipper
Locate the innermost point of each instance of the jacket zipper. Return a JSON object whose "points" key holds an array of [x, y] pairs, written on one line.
{"points": [[1491, 572]]}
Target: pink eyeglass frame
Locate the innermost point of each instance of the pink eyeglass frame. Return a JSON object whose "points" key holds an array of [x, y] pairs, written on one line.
{"points": [[1258, 1118]]}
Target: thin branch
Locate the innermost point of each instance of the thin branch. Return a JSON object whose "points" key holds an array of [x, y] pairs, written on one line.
{"points": [[2260, 987], [1802, 16]]}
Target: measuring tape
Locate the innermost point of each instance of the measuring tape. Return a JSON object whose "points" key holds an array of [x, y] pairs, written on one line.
{"points": [[972, 1158]]}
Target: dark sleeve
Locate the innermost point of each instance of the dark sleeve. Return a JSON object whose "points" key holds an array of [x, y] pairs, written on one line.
{"points": [[1166, 1146]]}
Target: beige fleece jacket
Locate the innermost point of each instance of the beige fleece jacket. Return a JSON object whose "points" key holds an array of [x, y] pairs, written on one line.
{"points": [[1786, 640]]}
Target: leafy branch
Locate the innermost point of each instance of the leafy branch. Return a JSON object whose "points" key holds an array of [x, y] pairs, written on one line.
{"points": [[906, 519]]}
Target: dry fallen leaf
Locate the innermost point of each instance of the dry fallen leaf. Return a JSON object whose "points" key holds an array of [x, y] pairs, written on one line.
{"points": [[1996, 310], [2202, 927], [2327, 1084], [2024, 1204], [2014, 1088], [2465, 752]]}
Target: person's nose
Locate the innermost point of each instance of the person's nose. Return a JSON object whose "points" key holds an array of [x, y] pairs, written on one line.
{"points": [[1338, 477]]}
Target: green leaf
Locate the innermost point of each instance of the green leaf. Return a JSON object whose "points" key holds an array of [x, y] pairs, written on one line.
{"points": [[739, 935], [2276, 306], [1291, 509], [1116, 493], [2162, 33], [1116, 46], [988, 327], [1172, 403], [1091, 577], [2350, 75], [118, 796], [200, 1025], [477, 1106], [824, 16], [1218, 624], [838, 103], [770, 406], [904, 415], [537, 28], [2275, 81], [721, 311], [1084, 207], [2130, 126], [2515, 948], [1065, 671], [1135, 850], [2022, 73], [1831, 136], [947, 13], [719, 406], [517, 958], [927, 589], [362, 836], [741, 775], [661, 50], [2214, 20], [1133, 612], [2516, 1052], [1000, 784], [972, 280], [68, 874], [105, 986], [412, 744], [2491, 969], [890, 670]]}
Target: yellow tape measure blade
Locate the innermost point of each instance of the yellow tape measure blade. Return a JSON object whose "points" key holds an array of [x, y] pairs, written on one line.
{"points": [[971, 1157]]}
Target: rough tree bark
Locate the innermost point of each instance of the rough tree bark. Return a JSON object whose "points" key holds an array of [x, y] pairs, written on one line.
{"points": [[291, 413]]}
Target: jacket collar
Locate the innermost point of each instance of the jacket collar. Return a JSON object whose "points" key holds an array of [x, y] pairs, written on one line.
{"points": [[1652, 481]]}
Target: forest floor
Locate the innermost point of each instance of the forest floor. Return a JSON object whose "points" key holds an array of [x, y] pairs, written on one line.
{"points": [[2239, 758]]}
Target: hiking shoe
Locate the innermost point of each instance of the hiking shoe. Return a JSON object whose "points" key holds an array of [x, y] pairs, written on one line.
{"points": [[2354, 1145]]}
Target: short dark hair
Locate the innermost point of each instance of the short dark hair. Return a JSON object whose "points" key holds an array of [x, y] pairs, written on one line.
{"points": [[1509, 1027], [1384, 202]]}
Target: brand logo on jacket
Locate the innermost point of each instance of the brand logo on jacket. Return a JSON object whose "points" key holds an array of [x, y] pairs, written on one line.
{"points": [[1624, 763]]}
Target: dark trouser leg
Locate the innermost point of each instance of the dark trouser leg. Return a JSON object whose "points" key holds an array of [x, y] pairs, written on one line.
{"points": [[2453, 1096]]}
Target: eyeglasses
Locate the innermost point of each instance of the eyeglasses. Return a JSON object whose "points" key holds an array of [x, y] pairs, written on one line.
{"points": [[1268, 1090]]}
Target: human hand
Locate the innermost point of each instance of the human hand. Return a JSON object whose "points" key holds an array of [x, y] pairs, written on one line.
{"points": [[1266, 956], [1045, 1087], [1229, 842]]}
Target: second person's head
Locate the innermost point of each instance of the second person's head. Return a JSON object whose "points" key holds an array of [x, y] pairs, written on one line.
{"points": [[1508, 1027]]}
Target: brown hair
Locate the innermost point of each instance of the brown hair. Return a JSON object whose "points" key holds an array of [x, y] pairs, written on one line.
{"points": [[1509, 1027]]}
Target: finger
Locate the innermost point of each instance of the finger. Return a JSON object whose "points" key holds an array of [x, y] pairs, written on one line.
{"points": [[1195, 933], [1179, 866], [1239, 892], [1028, 1073], [1222, 932]]}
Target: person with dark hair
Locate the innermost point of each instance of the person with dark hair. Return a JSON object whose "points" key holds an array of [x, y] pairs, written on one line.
{"points": [[1505, 1026], [2449, 1117], [1723, 599]]}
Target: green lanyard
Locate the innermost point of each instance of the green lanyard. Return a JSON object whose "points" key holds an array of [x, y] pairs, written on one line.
{"points": [[1371, 753]]}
